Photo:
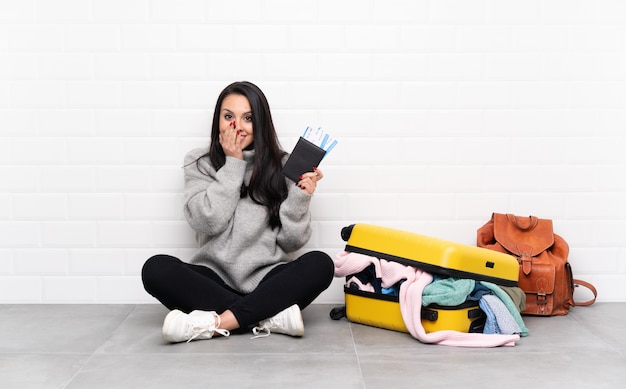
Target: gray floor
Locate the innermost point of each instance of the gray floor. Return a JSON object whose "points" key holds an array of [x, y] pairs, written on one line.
{"points": [[119, 346]]}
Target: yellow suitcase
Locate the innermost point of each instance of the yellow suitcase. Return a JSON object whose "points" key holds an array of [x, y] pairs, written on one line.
{"points": [[436, 256], [383, 311]]}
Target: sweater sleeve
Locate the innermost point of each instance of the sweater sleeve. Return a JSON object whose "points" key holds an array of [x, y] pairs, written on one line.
{"points": [[211, 196], [295, 217]]}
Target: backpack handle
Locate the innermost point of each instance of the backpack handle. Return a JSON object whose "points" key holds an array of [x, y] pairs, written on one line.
{"points": [[534, 220]]}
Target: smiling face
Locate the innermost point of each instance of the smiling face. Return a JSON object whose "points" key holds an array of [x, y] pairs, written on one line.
{"points": [[236, 115]]}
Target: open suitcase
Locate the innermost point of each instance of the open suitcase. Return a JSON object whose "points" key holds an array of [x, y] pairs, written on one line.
{"points": [[432, 255]]}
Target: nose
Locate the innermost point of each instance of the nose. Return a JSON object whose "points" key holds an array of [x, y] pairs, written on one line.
{"points": [[240, 124]]}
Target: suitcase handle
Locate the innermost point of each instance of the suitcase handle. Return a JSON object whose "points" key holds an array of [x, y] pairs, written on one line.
{"points": [[428, 314]]}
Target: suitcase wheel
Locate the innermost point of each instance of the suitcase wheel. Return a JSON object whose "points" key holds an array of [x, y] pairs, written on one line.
{"points": [[338, 313]]}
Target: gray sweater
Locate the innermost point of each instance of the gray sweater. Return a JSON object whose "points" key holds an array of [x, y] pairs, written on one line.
{"points": [[233, 234]]}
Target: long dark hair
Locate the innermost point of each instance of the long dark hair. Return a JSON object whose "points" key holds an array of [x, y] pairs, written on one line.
{"points": [[267, 185]]}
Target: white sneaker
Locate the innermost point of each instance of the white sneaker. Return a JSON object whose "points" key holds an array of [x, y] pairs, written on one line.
{"points": [[288, 322], [180, 327]]}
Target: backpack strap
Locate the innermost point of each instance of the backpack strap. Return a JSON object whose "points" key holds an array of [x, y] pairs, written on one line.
{"points": [[588, 286]]}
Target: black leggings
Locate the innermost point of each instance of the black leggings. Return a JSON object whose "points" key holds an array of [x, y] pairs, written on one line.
{"points": [[180, 285]]}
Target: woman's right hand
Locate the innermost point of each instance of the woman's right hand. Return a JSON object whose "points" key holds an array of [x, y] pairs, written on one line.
{"points": [[231, 142]]}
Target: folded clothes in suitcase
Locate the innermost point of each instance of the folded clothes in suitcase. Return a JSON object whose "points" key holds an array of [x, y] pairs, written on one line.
{"points": [[436, 256]]}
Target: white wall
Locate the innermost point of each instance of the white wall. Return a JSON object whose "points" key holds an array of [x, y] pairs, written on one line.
{"points": [[446, 111]]}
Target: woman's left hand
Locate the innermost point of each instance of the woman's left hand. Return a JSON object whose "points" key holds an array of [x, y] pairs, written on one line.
{"points": [[308, 181]]}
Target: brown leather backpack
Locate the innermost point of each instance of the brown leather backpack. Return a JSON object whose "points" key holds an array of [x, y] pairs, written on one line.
{"points": [[545, 274]]}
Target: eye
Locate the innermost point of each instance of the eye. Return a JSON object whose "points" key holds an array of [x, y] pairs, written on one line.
{"points": [[248, 118], [228, 116]]}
